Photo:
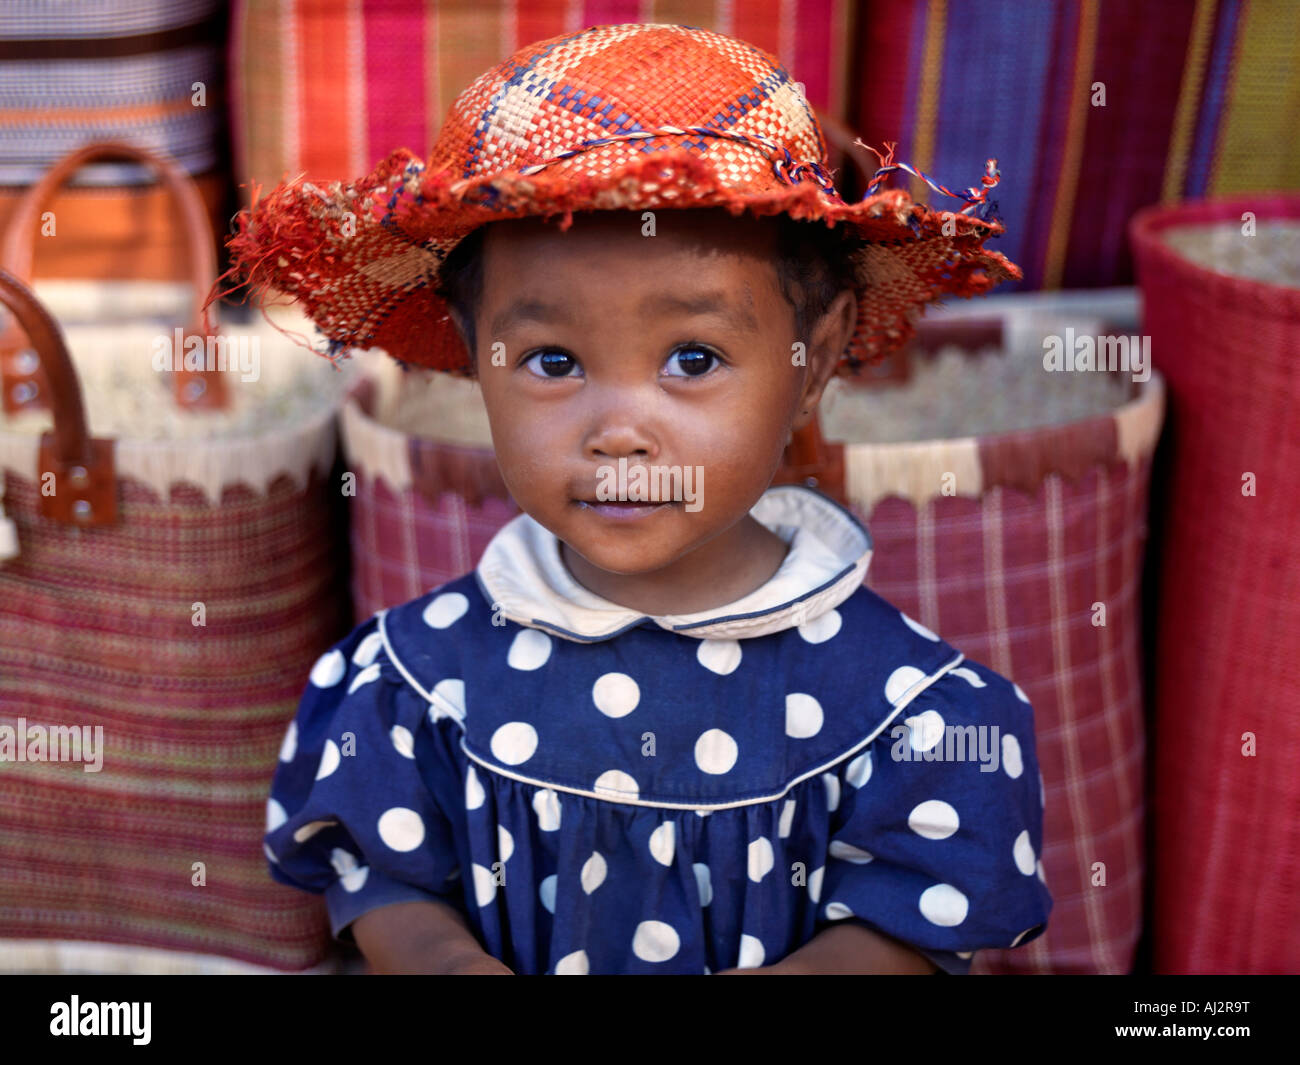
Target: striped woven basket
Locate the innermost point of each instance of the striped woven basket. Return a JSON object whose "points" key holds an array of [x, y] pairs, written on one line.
{"points": [[1227, 689], [1045, 519], [173, 591], [151, 72], [1094, 109]]}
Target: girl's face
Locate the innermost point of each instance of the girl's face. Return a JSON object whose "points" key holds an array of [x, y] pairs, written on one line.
{"points": [[675, 350]]}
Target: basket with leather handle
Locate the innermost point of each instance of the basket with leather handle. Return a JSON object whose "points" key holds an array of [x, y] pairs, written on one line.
{"points": [[20, 369], [180, 622]]}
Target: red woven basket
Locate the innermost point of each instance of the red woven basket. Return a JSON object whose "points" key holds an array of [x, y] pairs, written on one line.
{"points": [[1227, 858]]}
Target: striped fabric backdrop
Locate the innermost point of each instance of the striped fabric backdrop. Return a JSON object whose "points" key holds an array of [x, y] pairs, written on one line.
{"points": [[1202, 98], [329, 87]]}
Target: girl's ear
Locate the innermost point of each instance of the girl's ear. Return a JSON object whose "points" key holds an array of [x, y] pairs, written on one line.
{"points": [[830, 337]]}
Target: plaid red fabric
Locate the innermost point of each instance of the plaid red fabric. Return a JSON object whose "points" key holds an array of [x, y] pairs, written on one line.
{"points": [[97, 630], [627, 117]]}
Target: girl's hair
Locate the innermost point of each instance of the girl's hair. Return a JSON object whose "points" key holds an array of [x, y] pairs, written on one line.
{"points": [[814, 263]]}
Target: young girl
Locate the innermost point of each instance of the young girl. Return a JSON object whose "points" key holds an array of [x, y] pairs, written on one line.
{"points": [[665, 731]]}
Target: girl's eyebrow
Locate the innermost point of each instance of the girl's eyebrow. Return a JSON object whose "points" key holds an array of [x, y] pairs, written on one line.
{"points": [[700, 304]]}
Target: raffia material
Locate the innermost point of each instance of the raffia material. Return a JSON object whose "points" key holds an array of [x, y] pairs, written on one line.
{"points": [[540, 135]]}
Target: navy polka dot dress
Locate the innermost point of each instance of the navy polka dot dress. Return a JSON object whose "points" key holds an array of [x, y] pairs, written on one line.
{"points": [[602, 792]]}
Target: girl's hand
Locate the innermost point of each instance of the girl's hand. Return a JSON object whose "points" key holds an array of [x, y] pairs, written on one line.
{"points": [[784, 967], [478, 965]]}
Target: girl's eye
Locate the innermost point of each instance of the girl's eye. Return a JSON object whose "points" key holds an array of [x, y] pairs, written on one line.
{"points": [[551, 363], [692, 361]]}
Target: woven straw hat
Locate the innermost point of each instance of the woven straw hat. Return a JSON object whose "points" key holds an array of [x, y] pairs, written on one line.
{"points": [[627, 117]]}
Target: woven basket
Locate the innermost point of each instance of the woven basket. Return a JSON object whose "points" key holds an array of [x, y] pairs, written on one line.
{"points": [[72, 74], [228, 507], [1228, 838]]}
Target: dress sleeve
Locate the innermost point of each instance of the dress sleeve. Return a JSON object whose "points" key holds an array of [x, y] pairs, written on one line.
{"points": [[352, 812], [936, 839]]}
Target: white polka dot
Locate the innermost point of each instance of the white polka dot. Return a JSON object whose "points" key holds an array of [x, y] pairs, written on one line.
{"points": [[1042, 875], [575, 964], [859, 771], [351, 876], [445, 610], [505, 843], [837, 911], [593, 872], [832, 785], [662, 843], [304, 833], [917, 627], [901, 680], [934, 819], [474, 794], [546, 892], [803, 716], [715, 751], [364, 677], [761, 858], [703, 881], [270, 854], [403, 741], [719, 656], [329, 760], [751, 952], [926, 730], [615, 694], [616, 783], [401, 828], [529, 650], [943, 905], [452, 691], [703, 813], [1020, 693], [514, 742], [655, 941], [275, 815], [546, 803], [485, 884], [1023, 853], [289, 747], [965, 953], [815, 884], [849, 853], [1011, 760], [1021, 938], [821, 629], [329, 669], [367, 649], [787, 819], [969, 676]]}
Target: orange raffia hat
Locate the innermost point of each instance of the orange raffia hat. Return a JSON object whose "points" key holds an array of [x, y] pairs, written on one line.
{"points": [[629, 117]]}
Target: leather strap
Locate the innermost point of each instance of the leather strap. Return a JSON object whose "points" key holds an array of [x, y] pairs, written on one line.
{"points": [[85, 481], [20, 368]]}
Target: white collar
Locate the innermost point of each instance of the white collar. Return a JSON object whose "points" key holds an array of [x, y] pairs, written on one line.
{"points": [[524, 577]]}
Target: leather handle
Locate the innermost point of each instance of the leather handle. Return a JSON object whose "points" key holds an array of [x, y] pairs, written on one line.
{"points": [[85, 481], [19, 364]]}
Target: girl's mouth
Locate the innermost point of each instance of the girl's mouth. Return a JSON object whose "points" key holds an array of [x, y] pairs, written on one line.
{"points": [[619, 510]]}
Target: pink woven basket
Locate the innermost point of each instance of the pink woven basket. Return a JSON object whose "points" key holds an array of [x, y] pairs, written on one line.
{"points": [[1227, 869]]}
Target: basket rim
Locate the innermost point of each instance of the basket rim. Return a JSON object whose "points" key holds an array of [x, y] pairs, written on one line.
{"points": [[1148, 223]]}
